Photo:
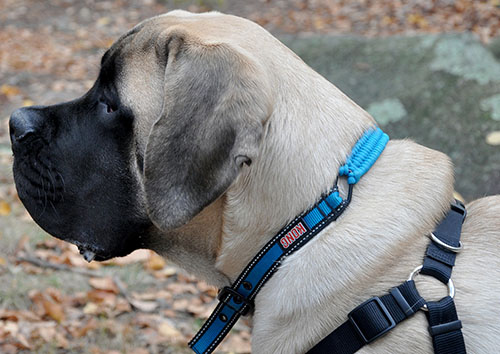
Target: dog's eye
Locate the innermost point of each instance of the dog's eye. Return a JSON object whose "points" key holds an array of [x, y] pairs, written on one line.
{"points": [[108, 107]]}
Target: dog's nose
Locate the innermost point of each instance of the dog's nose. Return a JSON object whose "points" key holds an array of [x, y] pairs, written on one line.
{"points": [[23, 123]]}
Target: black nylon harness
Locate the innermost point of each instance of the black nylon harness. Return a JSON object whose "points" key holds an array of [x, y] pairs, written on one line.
{"points": [[378, 315]]}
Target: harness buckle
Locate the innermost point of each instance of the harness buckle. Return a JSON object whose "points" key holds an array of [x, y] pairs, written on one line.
{"points": [[367, 318], [237, 299]]}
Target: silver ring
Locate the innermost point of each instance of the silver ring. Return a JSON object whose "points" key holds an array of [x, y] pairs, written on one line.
{"points": [[445, 245], [451, 286]]}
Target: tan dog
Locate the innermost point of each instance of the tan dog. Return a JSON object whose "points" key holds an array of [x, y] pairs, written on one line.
{"points": [[233, 135]]}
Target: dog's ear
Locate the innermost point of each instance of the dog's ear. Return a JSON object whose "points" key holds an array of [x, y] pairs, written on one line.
{"points": [[211, 124]]}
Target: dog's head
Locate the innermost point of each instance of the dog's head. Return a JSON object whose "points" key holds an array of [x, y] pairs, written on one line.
{"points": [[172, 117]]}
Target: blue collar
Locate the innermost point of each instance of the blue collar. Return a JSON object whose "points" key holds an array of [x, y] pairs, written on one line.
{"points": [[237, 300]]}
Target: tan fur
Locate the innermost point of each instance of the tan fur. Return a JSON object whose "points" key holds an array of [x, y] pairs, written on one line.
{"points": [[308, 133]]}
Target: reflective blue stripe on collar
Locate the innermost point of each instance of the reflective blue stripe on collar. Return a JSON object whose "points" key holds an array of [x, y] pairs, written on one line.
{"points": [[238, 299]]}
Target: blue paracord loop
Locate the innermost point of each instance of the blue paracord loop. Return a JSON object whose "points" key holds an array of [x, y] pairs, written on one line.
{"points": [[364, 154], [238, 299]]}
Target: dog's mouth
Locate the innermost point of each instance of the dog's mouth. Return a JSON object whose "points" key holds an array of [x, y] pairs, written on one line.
{"points": [[90, 253]]}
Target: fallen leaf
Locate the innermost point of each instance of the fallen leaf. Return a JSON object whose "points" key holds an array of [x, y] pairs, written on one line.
{"points": [[144, 306], [136, 256], [28, 102], [11, 327], [181, 305], [122, 305], [166, 272], [61, 341], [102, 297], [91, 309], [180, 288], [78, 330], [106, 284], [165, 329], [493, 138], [5, 208], [22, 342], [53, 310], [155, 262], [9, 90]]}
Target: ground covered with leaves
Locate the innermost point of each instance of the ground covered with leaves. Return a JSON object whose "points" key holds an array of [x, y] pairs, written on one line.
{"points": [[51, 300]]}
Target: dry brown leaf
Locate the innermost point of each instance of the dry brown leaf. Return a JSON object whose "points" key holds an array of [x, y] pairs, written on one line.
{"points": [[141, 255], [22, 342], [11, 328], [144, 306], [200, 311], [102, 297], [47, 332], [23, 244], [122, 305], [166, 272], [155, 262], [10, 91], [53, 310], [146, 320], [78, 330], [45, 304], [27, 102], [18, 315], [91, 309], [5, 208], [180, 288], [207, 289], [105, 284], [181, 305], [61, 341], [168, 331]]}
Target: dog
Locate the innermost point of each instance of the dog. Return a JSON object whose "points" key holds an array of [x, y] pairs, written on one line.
{"points": [[202, 136]]}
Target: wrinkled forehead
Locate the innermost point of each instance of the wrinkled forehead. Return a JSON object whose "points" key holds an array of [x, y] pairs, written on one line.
{"points": [[138, 73], [139, 58]]}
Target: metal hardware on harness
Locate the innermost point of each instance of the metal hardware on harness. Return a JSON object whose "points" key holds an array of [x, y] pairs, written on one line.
{"points": [[237, 298], [382, 309], [445, 245], [451, 286], [375, 317]]}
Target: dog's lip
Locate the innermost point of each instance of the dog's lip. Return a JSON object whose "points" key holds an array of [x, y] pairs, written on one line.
{"points": [[90, 252]]}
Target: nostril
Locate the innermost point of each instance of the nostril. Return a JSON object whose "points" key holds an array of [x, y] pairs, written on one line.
{"points": [[22, 124], [24, 135]]}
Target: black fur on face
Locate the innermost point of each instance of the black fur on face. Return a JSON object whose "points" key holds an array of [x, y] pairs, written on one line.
{"points": [[75, 169]]}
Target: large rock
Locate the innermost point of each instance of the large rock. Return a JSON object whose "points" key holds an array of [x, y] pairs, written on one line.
{"points": [[443, 91]]}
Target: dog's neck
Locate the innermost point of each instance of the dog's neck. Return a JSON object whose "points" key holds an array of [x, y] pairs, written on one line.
{"points": [[303, 146]]}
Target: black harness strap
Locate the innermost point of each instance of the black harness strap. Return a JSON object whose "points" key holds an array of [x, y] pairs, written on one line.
{"points": [[444, 325], [372, 319], [377, 316]]}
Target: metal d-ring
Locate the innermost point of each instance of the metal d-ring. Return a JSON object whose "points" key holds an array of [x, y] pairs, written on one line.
{"points": [[451, 286], [445, 245]]}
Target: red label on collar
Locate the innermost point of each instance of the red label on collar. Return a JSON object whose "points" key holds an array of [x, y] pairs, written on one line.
{"points": [[292, 235]]}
